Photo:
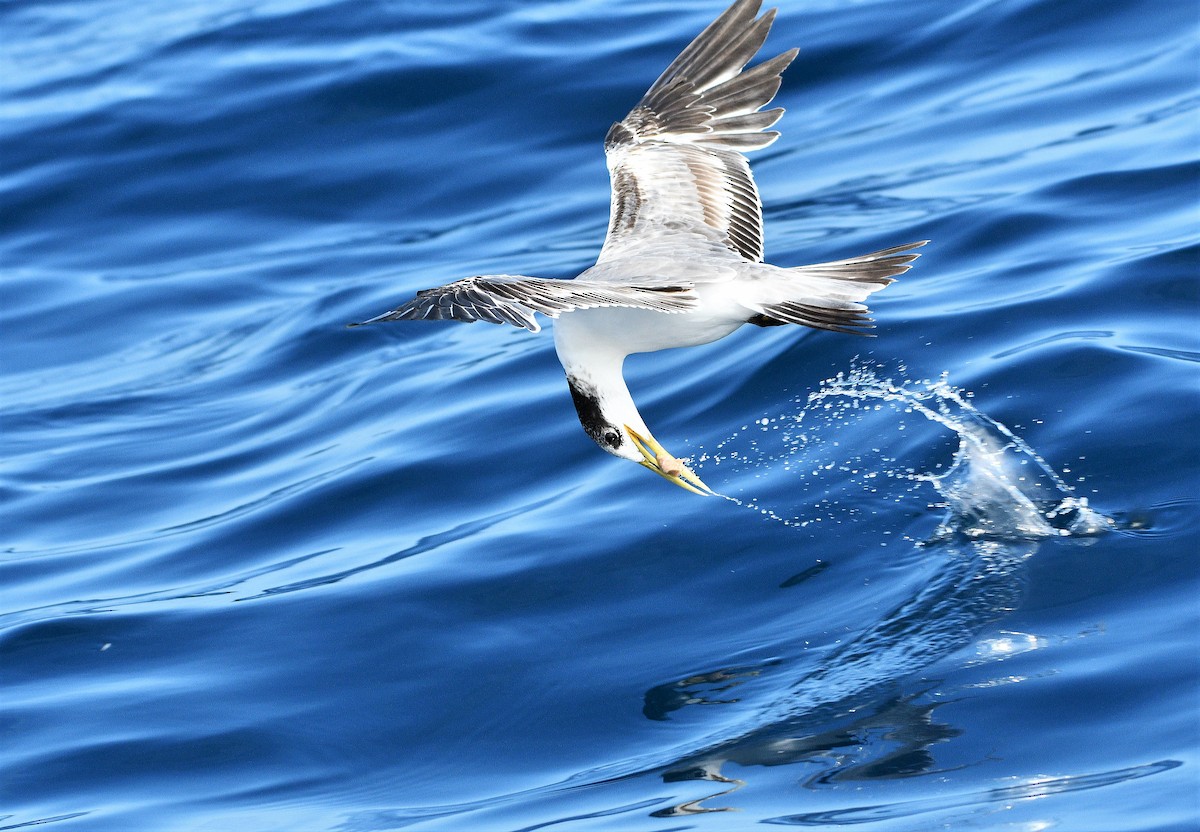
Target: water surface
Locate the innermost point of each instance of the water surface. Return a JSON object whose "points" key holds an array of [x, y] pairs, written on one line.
{"points": [[264, 572]]}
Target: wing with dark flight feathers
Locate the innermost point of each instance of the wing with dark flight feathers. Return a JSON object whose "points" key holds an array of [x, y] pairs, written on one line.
{"points": [[676, 160], [508, 299]]}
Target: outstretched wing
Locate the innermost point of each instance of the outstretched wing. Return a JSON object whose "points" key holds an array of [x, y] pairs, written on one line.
{"points": [[508, 299], [675, 161]]}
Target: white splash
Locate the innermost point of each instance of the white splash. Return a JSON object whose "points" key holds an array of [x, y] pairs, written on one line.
{"points": [[996, 486]]}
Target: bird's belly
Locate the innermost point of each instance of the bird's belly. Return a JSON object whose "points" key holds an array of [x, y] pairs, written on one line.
{"points": [[642, 330]]}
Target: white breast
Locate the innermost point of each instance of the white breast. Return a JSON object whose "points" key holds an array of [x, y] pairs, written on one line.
{"points": [[626, 331]]}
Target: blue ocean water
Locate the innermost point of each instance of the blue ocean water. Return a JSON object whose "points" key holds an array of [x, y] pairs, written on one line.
{"points": [[263, 572]]}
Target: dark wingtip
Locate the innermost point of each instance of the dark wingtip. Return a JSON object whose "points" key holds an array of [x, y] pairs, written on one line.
{"points": [[386, 316]]}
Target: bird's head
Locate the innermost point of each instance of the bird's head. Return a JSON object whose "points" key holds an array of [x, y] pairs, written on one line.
{"points": [[608, 421]]}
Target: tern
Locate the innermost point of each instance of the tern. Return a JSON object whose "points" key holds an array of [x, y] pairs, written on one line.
{"points": [[682, 263]]}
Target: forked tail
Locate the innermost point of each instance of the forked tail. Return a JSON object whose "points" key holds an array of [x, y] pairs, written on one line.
{"points": [[829, 295]]}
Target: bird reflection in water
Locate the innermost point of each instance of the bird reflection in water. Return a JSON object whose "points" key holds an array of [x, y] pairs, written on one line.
{"points": [[892, 741]]}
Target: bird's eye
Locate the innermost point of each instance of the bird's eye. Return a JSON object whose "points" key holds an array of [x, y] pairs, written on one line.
{"points": [[612, 439]]}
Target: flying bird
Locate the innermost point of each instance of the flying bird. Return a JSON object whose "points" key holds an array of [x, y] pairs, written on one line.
{"points": [[682, 264]]}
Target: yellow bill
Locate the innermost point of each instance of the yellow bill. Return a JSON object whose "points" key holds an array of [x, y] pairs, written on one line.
{"points": [[656, 458]]}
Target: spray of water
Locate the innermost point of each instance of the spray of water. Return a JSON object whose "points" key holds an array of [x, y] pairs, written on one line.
{"points": [[996, 485]]}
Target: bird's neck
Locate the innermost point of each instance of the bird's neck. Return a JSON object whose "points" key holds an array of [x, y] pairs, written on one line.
{"points": [[604, 389], [598, 389]]}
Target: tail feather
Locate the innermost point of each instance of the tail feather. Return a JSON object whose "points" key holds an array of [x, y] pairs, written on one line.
{"points": [[876, 267], [816, 313], [827, 295]]}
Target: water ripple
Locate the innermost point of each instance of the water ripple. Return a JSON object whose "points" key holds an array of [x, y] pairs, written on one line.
{"points": [[1032, 789]]}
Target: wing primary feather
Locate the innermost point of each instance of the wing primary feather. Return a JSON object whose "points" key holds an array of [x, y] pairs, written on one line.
{"points": [[747, 98], [734, 55], [514, 300], [725, 59], [697, 51], [749, 122], [767, 69]]}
